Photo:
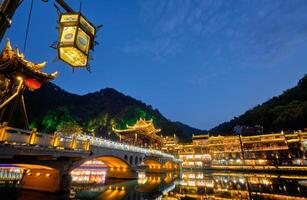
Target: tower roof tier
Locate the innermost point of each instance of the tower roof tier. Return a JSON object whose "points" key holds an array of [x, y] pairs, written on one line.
{"points": [[142, 127]]}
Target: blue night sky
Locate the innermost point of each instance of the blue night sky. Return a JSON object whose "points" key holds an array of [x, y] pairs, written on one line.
{"points": [[199, 62]]}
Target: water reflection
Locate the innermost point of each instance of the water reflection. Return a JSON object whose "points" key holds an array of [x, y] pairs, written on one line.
{"points": [[201, 185], [91, 184], [149, 186]]}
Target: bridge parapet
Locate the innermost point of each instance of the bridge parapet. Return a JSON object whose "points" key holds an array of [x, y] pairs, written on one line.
{"points": [[15, 136], [125, 147]]}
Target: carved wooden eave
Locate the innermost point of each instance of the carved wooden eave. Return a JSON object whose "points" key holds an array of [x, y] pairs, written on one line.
{"points": [[13, 62]]}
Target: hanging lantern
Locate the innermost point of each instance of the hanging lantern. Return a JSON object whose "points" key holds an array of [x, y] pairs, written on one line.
{"points": [[33, 84], [76, 39]]}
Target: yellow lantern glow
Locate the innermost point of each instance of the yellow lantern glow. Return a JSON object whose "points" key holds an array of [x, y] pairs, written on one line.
{"points": [[76, 39]]}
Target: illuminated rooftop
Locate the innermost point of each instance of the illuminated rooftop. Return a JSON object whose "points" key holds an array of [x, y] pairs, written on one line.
{"points": [[141, 127], [13, 62]]}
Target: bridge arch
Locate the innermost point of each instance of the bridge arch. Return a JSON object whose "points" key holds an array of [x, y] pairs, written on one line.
{"points": [[41, 177], [33, 166], [153, 164], [121, 166], [113, 162]]}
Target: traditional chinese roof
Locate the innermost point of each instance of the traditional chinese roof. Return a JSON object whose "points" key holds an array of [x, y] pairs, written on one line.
{"points": [[142, 126], [13, 62]]}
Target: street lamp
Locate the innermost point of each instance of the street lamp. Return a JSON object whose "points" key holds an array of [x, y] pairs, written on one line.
{"points": [[76, 39]]}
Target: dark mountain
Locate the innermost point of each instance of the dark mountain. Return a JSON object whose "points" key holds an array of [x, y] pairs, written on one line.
{"points": [[188, 130], [97, 112], [285, 112]]}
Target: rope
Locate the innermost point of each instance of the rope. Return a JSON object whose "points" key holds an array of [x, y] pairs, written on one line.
{"points": [[27, 29]]}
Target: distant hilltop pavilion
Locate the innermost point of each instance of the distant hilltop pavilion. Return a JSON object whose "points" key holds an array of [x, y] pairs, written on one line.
{"points": [[142, 133]]}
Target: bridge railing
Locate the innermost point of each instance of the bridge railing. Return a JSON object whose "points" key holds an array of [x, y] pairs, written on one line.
{"points": [[120, 146], [17, 136]]}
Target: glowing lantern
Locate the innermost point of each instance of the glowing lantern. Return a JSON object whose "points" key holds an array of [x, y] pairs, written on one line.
{"points": [[76, 39], [32, 84]]}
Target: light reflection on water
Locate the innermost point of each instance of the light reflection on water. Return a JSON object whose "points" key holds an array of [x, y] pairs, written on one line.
{"points": [[187, 185], [151, 186], [200, 185]]}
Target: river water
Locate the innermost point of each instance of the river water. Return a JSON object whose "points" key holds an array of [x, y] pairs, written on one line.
{"points": [[170, 186]]}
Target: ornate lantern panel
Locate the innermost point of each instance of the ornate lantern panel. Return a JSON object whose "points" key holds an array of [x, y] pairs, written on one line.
{"points": [[76, 39]]}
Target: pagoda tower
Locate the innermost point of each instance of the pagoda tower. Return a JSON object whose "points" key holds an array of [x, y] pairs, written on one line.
{"points": [[143, 133]]}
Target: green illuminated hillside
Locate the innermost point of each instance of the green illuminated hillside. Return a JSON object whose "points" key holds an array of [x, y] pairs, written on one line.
{"points": [[96, 112]]}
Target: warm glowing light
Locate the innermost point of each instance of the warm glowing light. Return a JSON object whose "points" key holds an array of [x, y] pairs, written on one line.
{"points": [[76, 39], [191, 176], [10, 173], [91, 171], [19, 78], [73, 56], [33, 84]]}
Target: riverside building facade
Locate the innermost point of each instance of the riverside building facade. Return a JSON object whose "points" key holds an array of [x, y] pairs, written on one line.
{"points": [[279, 149]]}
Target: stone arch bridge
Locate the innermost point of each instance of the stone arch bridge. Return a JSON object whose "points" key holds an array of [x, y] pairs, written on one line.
{"points": [[49, 159]]}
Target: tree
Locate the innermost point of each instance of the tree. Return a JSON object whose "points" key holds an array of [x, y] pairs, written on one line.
{"points": [[55, 118], [69, 128]]}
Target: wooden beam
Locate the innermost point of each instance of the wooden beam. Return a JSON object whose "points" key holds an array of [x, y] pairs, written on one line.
{"points": [[64, 5]]}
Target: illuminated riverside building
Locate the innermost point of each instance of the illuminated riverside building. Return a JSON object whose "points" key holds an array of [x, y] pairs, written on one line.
{"points": [[196, 154], [10, 173], [143, 133], [170, 144], [276, 149], [267, 149], [224, 148], [93, 171], [190, 157]]}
